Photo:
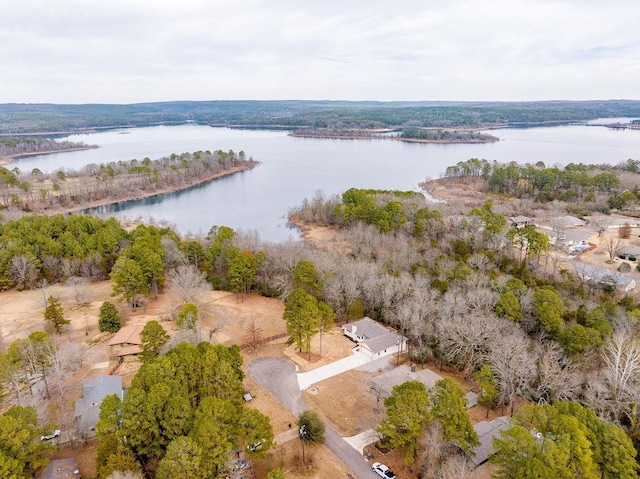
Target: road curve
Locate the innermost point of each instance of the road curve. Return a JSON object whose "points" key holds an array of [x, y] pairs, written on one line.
{"points": [[278, 376]]}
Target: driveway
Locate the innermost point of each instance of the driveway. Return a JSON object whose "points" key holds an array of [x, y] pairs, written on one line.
{"points": [[327, 371], [278, 376]]}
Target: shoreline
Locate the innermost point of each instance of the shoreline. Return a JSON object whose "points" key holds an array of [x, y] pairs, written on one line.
{"points": [[6, 160], [164, 191]]}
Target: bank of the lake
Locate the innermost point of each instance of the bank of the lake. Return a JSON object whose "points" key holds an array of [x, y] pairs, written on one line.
{"points": [[158, 193]]}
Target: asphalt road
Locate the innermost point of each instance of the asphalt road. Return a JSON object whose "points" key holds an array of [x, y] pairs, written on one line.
{"points": [[279, 377]]}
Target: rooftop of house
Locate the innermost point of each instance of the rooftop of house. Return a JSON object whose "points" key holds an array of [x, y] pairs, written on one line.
{"points": [[588, 271], [366, 327], [88, 407], [486, 431], [630, 250], [60, 469], [521, 219], [130, 334], [375, 337]]}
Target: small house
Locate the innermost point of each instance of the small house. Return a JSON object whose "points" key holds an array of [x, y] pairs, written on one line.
{"points": [[373, 338], [127, 341], [61, 469], [604, 277], [521, 221], [569, 222], [87, 407], [629, 253], [486, 431]]}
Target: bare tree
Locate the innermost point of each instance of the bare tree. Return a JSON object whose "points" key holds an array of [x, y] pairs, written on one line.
{"points": [[23, 271], [455, 467], [556, 378], [81, 289], [252, 337], [188, 282], [612, 246], [513, 366], [601, 225], [466, 340], [621, 359]]}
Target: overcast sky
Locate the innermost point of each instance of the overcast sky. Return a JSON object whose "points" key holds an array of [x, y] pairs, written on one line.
{"points": [[127, 51]]}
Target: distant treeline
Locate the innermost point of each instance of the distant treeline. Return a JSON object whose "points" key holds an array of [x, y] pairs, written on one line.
{"points": [[28, 146], [33, 118]]}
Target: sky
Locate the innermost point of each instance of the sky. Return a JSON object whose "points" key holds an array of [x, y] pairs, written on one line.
{"points": [[130, 51]]}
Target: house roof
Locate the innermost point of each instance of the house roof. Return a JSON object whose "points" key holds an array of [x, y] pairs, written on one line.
{"points": [[88, 406], [486, 431], [570, 221], [381, 343], [377, 337], [521, 219], [367, 327], [130, 334], [591, 272], [60, 469], [630, 250]]}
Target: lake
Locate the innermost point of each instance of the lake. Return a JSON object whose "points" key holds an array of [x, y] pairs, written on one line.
{"points": [[295, 168]]}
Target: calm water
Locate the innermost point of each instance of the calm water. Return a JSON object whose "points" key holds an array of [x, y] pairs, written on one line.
{"points": [[295, 168]]}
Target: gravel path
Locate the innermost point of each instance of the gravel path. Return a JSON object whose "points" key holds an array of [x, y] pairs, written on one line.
{"points": [[279, 377]]}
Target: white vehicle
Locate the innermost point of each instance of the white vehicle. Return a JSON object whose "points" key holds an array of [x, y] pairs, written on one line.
{"points": [[383, 471], [48, 437]]}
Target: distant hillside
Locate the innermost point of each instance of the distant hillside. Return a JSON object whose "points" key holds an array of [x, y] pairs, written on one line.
{"points": [[49, 118]]}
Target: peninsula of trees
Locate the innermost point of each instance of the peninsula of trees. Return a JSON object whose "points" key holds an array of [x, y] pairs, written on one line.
{"points": [[104, 184], [17, 147]]}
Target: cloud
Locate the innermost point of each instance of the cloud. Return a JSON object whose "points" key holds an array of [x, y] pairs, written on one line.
{"points": [[121, 51]]}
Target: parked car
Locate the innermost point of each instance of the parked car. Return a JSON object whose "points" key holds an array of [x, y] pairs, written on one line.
{"points": [[383, 471], [53, 435], [256, 446]]}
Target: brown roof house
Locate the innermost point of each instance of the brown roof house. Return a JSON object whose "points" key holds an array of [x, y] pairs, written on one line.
{"points": [[61, 469], [126, 342], [373, 338]]}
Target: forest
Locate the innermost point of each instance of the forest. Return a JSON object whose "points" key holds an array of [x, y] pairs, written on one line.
{"points": [[469, 292], [16, 146], [48, 118], [103, 184], [585, 188]]}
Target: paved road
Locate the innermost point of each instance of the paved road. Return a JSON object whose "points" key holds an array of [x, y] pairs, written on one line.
{"points": [[278, 376]]}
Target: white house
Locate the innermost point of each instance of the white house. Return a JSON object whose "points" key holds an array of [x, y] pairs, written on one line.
{"points": [[373, 338]]}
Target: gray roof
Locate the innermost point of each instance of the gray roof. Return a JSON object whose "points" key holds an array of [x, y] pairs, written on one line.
{"points": [[521, 219], [60, 469], [630, 250], [367, 327], [486, 431], [570, 221], [591, 272], [88, 406], [377, 337]]}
